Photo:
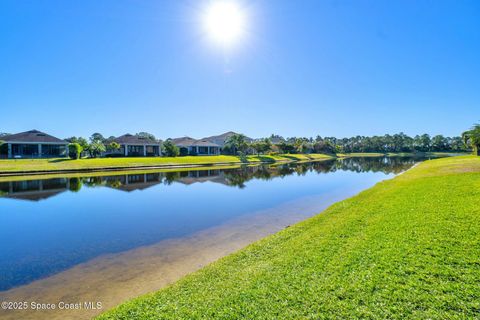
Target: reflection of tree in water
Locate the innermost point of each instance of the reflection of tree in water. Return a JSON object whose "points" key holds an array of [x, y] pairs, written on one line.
{"points": [[94, 181], [171, 177], [115, 184], [236, 177], [75, 184], [386, 165]]}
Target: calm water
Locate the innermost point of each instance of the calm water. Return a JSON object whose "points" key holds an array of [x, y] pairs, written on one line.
{"points": [[49, 226]]}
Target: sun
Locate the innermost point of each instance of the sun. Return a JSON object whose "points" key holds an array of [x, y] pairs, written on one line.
{"points": [[224, 22]]}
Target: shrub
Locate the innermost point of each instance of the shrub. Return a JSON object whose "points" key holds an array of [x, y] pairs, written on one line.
{"points": [[74, 150], [169, 149]]}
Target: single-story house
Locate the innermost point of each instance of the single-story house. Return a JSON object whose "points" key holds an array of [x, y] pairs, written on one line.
{"points": [[32, 144], [192, 146], [135, 146]]}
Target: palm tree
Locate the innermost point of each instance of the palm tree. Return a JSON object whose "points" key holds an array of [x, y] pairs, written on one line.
{"points": [[471, 138], [237, 143]]}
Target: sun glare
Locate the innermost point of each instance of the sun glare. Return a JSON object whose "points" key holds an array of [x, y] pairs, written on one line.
{"points": [[224, 21]]}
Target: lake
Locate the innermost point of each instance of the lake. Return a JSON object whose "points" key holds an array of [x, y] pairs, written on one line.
{"points": [[113, 236]]}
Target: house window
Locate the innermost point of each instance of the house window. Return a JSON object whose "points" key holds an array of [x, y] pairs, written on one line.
{"points": [[28, 150], [135, 150], [152, 150], [203, 150], [49, 150]]}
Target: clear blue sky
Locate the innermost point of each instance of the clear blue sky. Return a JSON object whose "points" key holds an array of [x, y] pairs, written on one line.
{"points": [[306, 67]]}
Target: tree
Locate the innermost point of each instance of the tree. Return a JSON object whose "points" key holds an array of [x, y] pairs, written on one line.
{"points": [[261, 146], [255, 145], [285, 147], [96, 148], [97, 137], [169, 149], [301, 145], [439, 143], [322, 146], [471, 138], [81, 141], [237, 143], [113, 146], [265, 145], [75, 150], [456, 144], [422, 143]]}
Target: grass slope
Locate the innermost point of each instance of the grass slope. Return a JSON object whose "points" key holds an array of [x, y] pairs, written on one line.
{"points": [[406, 248], [30, 165]]}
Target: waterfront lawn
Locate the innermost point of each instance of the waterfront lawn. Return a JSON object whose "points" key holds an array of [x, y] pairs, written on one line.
{"points": [[28, 165], [406, 248]]}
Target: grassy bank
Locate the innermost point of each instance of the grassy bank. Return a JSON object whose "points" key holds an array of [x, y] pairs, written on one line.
{"points": [[406, 248], [46, 165]]}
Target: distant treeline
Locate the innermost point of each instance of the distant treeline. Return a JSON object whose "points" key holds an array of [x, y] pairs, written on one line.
{"points": [[382, 144]]}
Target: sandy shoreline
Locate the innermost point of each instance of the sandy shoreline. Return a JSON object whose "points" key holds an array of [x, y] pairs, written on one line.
{"points": [[113, 279]]}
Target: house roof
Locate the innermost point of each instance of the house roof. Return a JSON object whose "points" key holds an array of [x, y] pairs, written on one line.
{"points": [[183, 141], [32, 136], [205, 143], [134, 139], [222, 138], [190, 142]]}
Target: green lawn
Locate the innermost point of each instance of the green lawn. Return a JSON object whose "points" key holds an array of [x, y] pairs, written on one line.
{"points": [[29, 165], [408, 248]]}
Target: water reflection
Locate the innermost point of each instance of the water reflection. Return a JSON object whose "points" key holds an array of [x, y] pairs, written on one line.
{"points": [[35, 190]]}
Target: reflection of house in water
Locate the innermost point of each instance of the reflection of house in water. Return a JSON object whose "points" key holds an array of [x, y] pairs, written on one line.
{"points": [[131, 182], [191, 177], [34, 190]]}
